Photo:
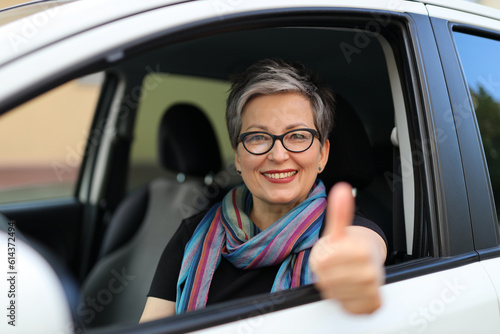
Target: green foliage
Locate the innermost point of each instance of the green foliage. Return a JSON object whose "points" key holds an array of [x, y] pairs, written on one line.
{"points": [[488, 118]]}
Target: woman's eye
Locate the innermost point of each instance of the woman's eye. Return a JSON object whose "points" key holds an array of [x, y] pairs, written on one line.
{"points": [[298, 136], [255, 138]]}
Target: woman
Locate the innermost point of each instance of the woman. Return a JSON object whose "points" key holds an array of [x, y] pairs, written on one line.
{"points": [[260, 237]]}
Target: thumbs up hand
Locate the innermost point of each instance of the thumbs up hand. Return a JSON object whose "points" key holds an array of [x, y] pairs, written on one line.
{"points": [[348, 260]]}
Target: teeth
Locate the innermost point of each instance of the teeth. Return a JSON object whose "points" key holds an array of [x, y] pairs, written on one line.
{"points": [[280, 175]]}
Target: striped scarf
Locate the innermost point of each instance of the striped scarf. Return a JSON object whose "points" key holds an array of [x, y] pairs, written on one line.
{"points": [[226, 230]]}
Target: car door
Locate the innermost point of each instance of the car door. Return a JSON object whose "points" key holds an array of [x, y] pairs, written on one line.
{"points": [[471, 42], [435, 281]]}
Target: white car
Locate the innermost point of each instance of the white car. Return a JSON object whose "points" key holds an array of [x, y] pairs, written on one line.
{"points": [[96, 174]]}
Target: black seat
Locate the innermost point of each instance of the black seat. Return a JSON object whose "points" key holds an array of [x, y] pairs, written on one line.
{"points": [[351, 156], [352, 160], [145, 221]]}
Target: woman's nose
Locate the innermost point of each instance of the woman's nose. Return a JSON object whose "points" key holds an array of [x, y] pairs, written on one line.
{"points": [[278, 152]]}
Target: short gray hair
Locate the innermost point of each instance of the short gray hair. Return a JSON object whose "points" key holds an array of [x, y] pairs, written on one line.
{"points": [[275, 76]]}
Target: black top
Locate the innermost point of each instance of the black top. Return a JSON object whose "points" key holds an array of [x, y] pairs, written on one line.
{"points": [[228, 281]]}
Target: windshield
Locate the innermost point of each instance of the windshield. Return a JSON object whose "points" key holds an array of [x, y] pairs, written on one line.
{"points": [[14, 13]]}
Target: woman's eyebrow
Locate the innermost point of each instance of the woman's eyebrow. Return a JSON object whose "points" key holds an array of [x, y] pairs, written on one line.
{"points": [[258, 126], [288, 127], [296, 125]]}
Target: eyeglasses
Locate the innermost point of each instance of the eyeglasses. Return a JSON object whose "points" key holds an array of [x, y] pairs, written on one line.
{"points": [[296, 141]]}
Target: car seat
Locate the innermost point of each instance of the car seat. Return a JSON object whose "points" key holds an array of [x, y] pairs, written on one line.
{"points": [[351, 156], [116, 288], [352, 160]]}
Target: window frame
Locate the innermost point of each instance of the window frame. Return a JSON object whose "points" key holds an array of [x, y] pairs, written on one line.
{"points": [[449, 253], [445, 191], [479, 192]]}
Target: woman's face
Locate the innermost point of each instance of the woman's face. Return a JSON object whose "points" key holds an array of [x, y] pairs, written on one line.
{"points": [[280, 177]]}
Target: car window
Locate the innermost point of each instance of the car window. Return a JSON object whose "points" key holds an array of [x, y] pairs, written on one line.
{"points": [[42, 142], [193, 72], [479, 57], [367, 82]]}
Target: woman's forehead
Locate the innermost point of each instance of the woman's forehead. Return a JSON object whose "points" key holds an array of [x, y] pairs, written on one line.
{"points": [[278, 111]]}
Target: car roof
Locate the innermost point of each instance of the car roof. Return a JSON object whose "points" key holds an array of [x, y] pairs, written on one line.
{"points": [[465, 6], [72, 17], [56, 23]]}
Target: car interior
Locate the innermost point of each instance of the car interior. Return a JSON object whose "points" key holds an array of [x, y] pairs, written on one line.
{"points": [[193, 160], [170, 156]]}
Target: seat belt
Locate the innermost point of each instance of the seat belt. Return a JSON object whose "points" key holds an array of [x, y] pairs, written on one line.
{"points": [[399, 253]]}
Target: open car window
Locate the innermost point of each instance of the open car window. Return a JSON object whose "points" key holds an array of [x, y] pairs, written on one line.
{"points": [[358, 74]]}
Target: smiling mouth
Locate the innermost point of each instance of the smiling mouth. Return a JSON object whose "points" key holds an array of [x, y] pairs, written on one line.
{"points": [[278, 176]]}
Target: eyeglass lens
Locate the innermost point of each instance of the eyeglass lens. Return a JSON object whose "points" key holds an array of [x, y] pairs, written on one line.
{"points": [[261, 142]]}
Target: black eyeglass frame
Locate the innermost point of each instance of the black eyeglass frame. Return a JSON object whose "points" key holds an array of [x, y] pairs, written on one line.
{"points": [[280, 137]]}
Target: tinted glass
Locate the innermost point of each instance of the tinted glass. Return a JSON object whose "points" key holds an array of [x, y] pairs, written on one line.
{"points": [[480, 60]]}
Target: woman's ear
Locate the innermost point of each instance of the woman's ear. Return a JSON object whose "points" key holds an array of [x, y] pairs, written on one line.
{"points": [[236, 159], [324, 153]]}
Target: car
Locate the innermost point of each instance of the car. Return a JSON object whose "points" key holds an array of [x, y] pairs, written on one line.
{"points": [[112, 131]]}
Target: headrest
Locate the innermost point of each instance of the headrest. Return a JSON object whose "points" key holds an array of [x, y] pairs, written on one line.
{"points": [[187, 142], [351, 156]]}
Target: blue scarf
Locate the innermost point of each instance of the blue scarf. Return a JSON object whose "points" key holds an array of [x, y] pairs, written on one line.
{"points": [[226, 230]]}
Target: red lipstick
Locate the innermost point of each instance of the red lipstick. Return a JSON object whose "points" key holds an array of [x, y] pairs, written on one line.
{"points": [[280, 176]]}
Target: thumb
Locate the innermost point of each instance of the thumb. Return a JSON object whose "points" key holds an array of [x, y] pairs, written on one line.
{"points": [[339, 211]]}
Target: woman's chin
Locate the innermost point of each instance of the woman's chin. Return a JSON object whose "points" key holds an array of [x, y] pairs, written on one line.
{"points": [[287, 200]]}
